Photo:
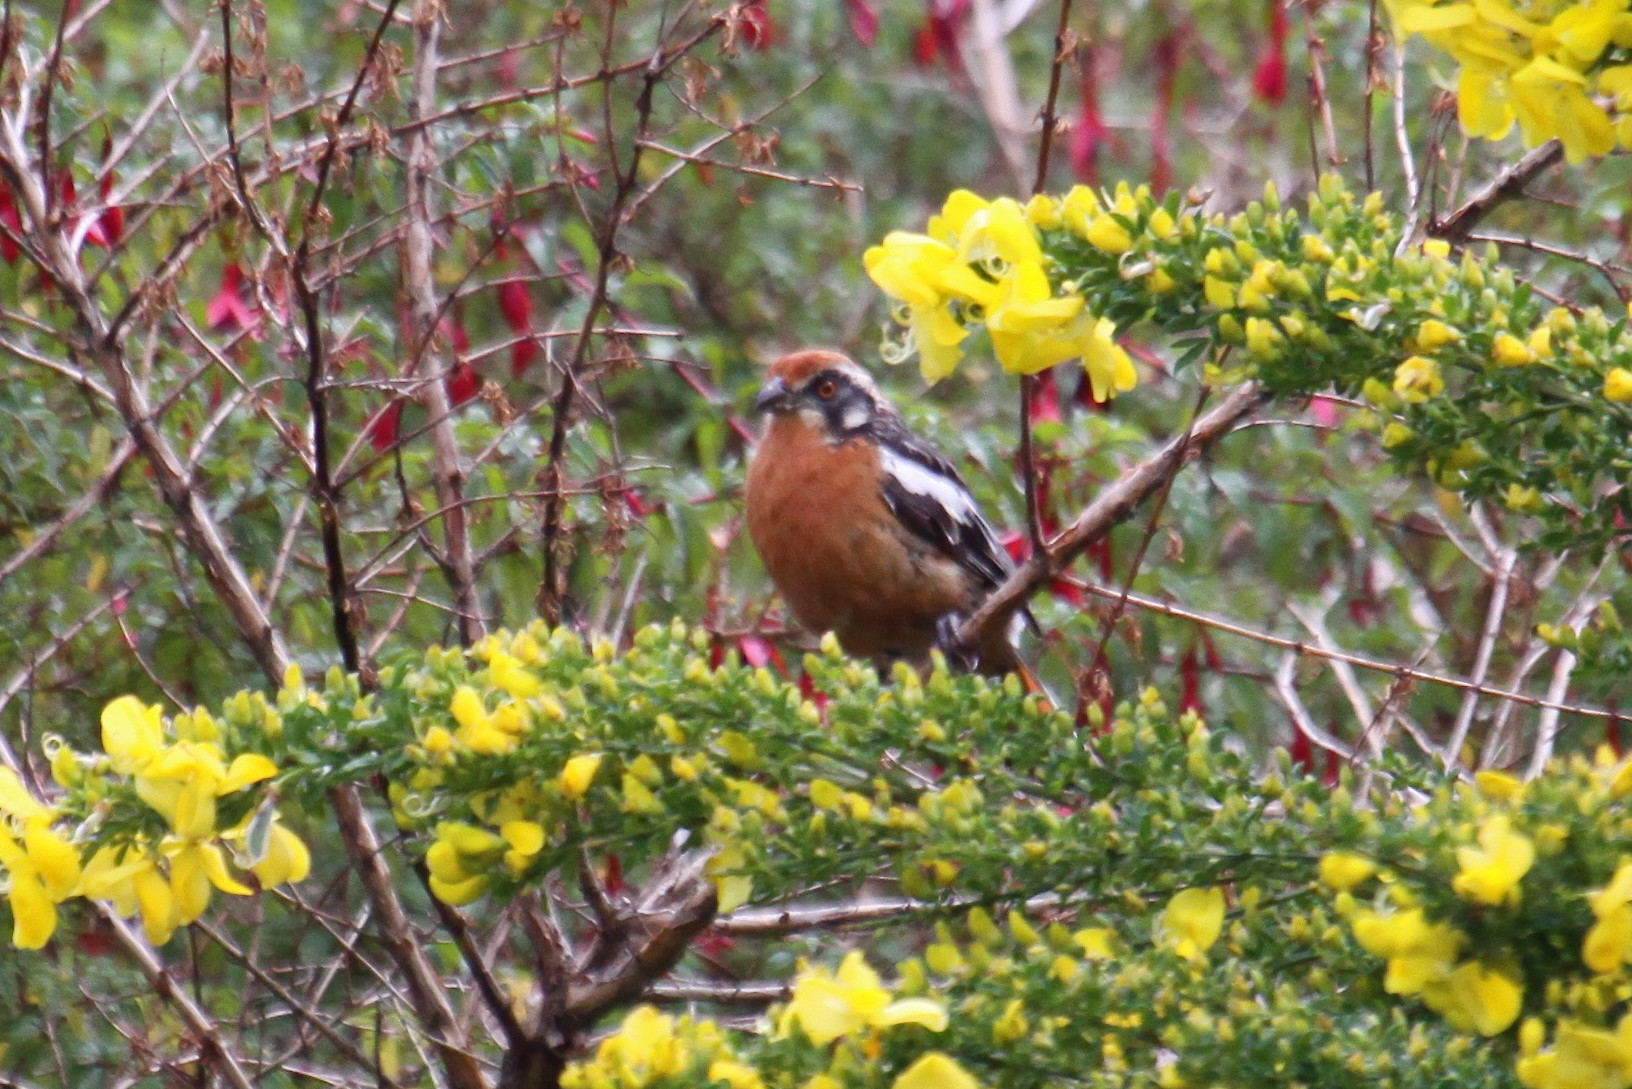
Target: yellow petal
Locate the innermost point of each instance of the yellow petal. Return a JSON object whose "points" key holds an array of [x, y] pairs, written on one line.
{"points": [[158, 904], [1344, 871], [1193, 920], [527, 837], [250, 767], [935, 1071], [578, 774], [458, 893], [132, 733], [914, 1011], [53, 857], [287, 859], [16, 801], [1489, 999], [34, 916]]}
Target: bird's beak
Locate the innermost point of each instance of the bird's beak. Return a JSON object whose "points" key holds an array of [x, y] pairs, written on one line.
{"points": [[774, 396]]}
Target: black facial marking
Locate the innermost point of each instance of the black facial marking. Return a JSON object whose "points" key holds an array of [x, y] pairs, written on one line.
{"points": [[848, 407]]}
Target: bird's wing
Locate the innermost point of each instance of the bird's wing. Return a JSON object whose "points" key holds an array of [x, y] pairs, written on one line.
{"points": [[925, 492]]}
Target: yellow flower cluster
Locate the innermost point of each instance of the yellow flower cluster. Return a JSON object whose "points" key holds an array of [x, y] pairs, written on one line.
{"points": [[853, 1004], [179, 773], [42, 868], [651, 1048], [1477, 995], [983, 262], [1582, 1057], [1537, 63], [828, 1005]]}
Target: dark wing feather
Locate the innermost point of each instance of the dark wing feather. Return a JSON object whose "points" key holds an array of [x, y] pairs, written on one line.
{"points": [[925, 492]]}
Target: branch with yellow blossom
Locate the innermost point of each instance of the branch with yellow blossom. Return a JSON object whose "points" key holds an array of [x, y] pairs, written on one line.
{"points": [[1468, 376]]}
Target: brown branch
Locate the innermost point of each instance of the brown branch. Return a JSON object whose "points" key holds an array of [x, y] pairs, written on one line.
{"points": [[1050, 118], [1111, 508], [1506, 186], [549, 593], [425, 990], [419, 284], [218, 1055]]}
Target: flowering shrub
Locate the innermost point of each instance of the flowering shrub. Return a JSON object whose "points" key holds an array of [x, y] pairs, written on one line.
{"points": [[158, 814], [1545, 66], [1469, 374], [1130, 903]]}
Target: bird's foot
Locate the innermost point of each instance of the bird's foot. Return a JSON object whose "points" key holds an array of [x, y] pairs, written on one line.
{"points": [[960, 657]]}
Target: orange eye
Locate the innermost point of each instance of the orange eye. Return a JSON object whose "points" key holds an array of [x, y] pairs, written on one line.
{"points": [[826, 388]]}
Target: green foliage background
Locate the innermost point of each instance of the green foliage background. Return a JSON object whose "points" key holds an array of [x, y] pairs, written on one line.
{"points": [[1298, 527]]}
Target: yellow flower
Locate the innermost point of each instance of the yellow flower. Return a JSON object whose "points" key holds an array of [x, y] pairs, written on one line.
{"points": [[935, 1071], [1395, 434], [1581, 1058], [985, 231], [1263, 338], [1483, 103], [1220, 294], [1343, 872], [1043, 211], [734, 1074], [42, 870], [1480, 998], [459, 861], [287, 860], [132, 734], [927, 276], [1109, 369], [1418, 952], [509, 674], [129, 879], [1492, 871], [1608, 941], [645, 1048], [1618, 385], [194, 868], [1509, 351], [1417, 379], [1079, 208], [578, 774], [1550, 101], [1023, 320], [1433, 333], [1193, 920], [830, 1005], [1499, 784], [1108, 234], [1095, 943]]}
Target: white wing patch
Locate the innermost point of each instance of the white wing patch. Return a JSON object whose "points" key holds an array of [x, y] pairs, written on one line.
{"points": [[922, 481]]}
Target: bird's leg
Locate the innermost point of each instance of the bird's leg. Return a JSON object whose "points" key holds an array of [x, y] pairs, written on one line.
{"points": [[959, 656]]}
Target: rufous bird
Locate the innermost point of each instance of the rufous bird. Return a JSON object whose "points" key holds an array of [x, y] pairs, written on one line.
{"points": [[866, 530]]}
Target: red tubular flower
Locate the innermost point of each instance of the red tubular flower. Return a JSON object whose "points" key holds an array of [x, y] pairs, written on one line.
{"points": [[863, 21], [382, 429], [1269, 79], [13, 220], [462, 383], [756, 28], [229, 311]]}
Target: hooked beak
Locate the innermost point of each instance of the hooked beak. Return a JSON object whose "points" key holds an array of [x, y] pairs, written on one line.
{"points": [[774, 396]]}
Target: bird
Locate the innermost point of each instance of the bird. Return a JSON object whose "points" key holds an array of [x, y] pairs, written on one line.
{"points": [[866, 530]]}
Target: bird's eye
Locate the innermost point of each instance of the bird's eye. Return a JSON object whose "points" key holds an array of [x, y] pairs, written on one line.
{"points": [[826, 388]]}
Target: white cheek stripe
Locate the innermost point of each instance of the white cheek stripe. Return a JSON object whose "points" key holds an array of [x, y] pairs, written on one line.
{"points": [[856, 415], [923, 481]]}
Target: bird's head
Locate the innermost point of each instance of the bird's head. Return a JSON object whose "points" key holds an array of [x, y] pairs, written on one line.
{"points": [[824, 389]]}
